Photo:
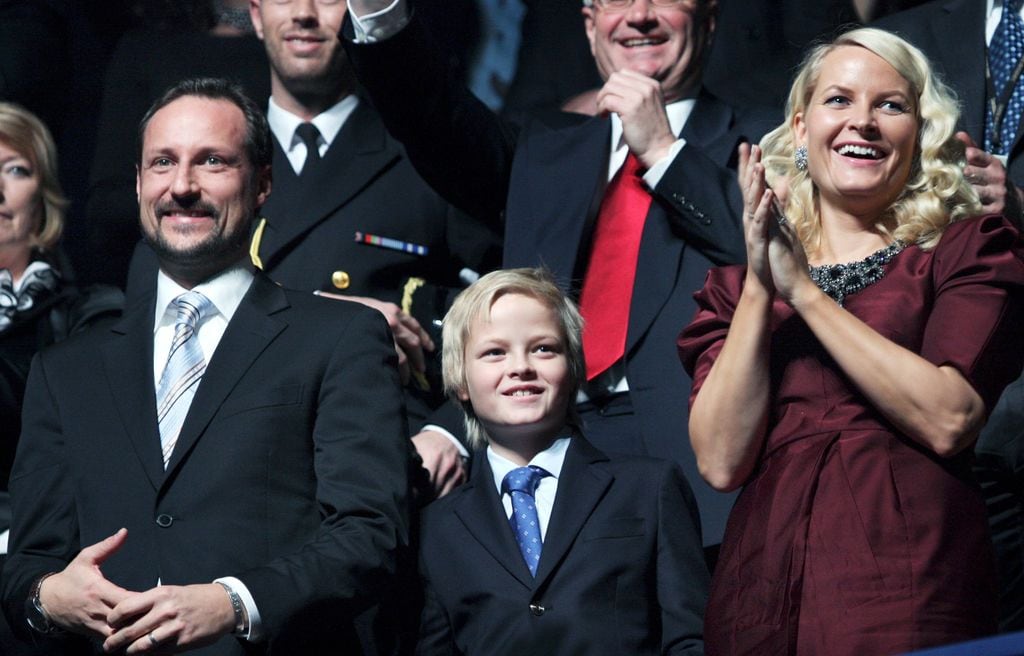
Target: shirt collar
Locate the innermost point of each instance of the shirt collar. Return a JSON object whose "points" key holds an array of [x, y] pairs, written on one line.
{"points": [[678, 113], [550, 460], [329, 123], [225, 291]]}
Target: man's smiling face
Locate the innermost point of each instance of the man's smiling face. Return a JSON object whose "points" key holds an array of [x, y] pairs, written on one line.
{"points": [[663, 43], [197, 189], [301, 38]]}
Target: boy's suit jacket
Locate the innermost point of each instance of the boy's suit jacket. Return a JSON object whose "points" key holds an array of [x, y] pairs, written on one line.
{"points": [[621, 571]]}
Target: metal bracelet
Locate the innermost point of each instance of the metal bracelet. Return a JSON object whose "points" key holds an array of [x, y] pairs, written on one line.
{"points": [[241, 628]]}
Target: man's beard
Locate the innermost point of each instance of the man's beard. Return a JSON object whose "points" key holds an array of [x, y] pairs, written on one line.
{"points": [[216, 247]]}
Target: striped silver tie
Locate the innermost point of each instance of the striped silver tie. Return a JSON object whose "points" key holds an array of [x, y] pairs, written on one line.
{"points": [[184, 370]]}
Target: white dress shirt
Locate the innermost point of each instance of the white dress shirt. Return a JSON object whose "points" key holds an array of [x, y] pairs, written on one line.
{"points": [[550, 460], [225, 292], [283, 124]]}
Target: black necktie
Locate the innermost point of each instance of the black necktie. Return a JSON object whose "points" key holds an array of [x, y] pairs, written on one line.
{"points": [[310, 136]]}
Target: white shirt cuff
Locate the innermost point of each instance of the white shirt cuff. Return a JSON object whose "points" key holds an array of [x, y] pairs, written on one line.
{"points": [[382, 24], [255, 623], [443, 431], [655, 173]]}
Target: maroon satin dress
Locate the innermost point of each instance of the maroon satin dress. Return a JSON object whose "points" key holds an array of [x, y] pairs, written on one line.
{"points": [[850, 538]]}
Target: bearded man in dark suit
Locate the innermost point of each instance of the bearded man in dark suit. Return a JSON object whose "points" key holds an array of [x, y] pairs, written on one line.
{"points": [[223, 470]]}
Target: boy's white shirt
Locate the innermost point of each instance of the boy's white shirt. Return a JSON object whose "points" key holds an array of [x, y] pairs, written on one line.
{"points": [[550, 460]]}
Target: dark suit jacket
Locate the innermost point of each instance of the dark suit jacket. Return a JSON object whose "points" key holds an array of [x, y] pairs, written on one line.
{"points": [[621, 571], [289, 472], [952, 34], [366, 184], [1000, 471], [545, 183]]}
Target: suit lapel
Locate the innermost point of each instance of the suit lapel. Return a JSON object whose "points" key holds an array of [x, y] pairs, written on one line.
{"points": [[481, 512], [580, 488], [128, 358], [660, 250], [709, 120], [357, 156], [251, 329], [656, 269]]}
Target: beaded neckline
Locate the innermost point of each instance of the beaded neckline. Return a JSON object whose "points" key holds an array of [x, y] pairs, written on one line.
{"points": [[842, 280]]}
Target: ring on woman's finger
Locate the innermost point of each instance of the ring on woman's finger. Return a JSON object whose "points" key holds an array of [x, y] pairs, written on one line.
{"points": [[152, 640]]}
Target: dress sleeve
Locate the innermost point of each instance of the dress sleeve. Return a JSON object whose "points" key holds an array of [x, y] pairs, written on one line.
{"points": [[978, 311], [700, 342]]}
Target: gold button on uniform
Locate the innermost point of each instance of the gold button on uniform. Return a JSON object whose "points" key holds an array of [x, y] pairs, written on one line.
{"points": [[340, 279]]}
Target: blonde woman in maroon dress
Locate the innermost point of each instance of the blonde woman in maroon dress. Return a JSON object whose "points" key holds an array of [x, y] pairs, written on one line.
{"points": [[842, 376]]}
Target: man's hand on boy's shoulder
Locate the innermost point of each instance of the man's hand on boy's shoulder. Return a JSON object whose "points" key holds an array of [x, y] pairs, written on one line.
{"points": [[442, 460]]}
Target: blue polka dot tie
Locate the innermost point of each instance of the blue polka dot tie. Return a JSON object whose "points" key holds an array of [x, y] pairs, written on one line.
{"points": [[1004, 52], [520, 484]]}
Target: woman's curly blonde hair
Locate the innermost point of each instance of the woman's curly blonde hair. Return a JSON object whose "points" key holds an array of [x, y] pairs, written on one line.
{"points": [[936, 193]]}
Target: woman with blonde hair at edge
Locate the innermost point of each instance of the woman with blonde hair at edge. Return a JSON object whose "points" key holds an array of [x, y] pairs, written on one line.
{"points": [[842, 376]]}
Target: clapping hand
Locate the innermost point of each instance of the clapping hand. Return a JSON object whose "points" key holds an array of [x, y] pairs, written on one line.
{"points": [[775, 255]]}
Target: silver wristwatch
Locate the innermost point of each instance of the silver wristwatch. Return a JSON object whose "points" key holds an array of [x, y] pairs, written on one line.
{"points": [[35, 614]]}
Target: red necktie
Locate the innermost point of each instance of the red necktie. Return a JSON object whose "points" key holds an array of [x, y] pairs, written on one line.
{"points": [[608, 283]]}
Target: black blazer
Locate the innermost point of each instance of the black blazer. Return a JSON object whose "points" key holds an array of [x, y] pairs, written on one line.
{"points": [[621, 572], [544, 183], [289, 472], [366, 184]]}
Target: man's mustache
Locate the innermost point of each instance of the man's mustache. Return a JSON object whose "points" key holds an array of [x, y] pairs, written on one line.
{"points": [[198, 207]]}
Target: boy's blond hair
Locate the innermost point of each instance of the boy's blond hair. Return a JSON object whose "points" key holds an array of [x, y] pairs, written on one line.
{"points": [[476, 301]]}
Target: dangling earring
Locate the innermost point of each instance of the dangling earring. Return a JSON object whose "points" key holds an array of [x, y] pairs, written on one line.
{"points": [[800, 158]]}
